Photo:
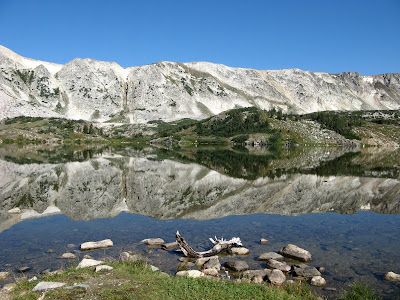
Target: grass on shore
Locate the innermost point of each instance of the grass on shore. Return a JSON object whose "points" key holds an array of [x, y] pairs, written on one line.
{"points": [[135, 280]]}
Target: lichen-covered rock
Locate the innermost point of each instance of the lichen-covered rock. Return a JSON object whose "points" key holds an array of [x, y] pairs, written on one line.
{"points": [[296, 252]]}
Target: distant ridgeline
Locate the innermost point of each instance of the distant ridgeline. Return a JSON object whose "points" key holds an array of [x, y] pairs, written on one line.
{"points": [[96, 91]]}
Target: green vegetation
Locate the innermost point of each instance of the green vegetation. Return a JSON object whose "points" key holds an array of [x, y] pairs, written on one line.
{"points": [[135, 280], [359, 291]]}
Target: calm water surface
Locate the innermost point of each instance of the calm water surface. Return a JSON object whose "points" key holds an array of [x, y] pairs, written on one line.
{"points": [[349, 221]]}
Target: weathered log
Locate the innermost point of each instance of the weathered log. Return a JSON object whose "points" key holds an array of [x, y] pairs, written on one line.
{"points": [[218, 246]]}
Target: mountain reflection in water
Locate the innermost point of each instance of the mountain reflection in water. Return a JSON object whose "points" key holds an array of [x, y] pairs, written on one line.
{"points": [[209, 184]]}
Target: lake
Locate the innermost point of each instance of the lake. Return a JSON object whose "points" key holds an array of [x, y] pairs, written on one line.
{"points": [[340, 204]]}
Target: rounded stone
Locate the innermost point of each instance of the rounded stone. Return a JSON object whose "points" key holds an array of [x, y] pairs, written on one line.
{"points": [[318, 281], [391, 276]]}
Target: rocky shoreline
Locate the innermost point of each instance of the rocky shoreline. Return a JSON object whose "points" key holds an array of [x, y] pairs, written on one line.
{"points": [[290, 265]]}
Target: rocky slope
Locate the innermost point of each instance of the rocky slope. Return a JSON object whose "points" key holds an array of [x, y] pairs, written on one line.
{"points": [[104, 91]]}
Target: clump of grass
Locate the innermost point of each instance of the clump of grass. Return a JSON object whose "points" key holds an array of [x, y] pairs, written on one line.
{"points": [[359, 291]]}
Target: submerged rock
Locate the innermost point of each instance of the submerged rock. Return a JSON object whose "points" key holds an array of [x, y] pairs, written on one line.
{"points": [[270, 255], [293, 251], [170, 246], [97, 245], [43, 286], [68, 256], [23, 269], [4, 275], [237, 265], [391, 276]]}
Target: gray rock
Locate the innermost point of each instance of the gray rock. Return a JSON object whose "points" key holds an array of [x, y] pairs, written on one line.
{"points": [[276, 277], [23, 269], [211, 272], [251, 273], [212, 263], [77, 286], [153, 242], [306, 271], [68, 256], [190, 273], [43, 286], [270, 255], [170, 246], [240, 251], [101, 268], [318, 281], [97, 245], [202, 260], [257, 279], [263, 241], [87, 263], [4, 275], [293, 251], [236, 265], [391, 276], [274, 264]]}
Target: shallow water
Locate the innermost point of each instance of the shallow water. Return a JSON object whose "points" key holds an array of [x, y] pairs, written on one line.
{"points": [[360, 245]]}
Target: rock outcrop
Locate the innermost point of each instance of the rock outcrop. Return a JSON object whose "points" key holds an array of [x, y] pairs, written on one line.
{"points": [[104, 91]]}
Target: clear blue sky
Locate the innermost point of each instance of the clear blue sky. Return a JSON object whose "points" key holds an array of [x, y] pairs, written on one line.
{"points": [[326, 36]]}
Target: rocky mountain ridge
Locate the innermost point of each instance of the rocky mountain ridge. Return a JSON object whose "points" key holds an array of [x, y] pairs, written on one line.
{"points": [[105, 92]]}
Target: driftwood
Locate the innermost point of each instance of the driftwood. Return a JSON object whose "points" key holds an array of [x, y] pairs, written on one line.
{"points": [[218, 246]]}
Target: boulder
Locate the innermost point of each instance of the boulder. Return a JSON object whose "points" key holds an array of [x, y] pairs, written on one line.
{"points": [[212, 263], [170, 246], [305, 271], [270, 255], [153, 242], [4, 275], [97, 245], [251, 273], [237, 265], [87, 263], [240, 250], [15, 210], [257, 279], [276, 277], [103, 268], [292, 251], [263, 241], [211, 272], [391, 276], [274, 264], [202, 260], [318, 281], [190, 273], [68, 256], [43, 286]]}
